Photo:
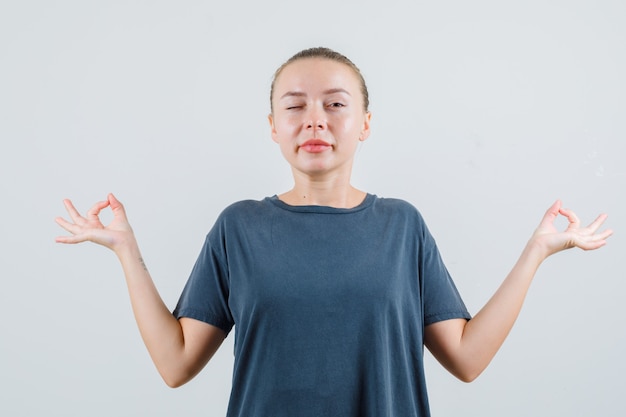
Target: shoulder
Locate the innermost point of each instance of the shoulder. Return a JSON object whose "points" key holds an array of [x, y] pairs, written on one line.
{"points": [[244, 211], [241, 217], [243, 207], [397, 206], [400, 215]]}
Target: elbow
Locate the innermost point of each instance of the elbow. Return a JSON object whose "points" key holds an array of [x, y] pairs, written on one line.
{"points": [[468, 374], [466, 371], [175, 382], [174, 379], [467, 377]]}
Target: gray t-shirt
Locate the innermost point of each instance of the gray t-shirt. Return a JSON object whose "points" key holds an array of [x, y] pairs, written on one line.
{"points": [[329, 306]]}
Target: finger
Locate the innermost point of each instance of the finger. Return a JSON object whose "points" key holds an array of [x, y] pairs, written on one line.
{"points": [[70, 227], [572, 218], [593, 241], [595, 225], [605, 234], [551, 213], [70, 239], [116, 207], [590, 244], [94, 211], [71, 210], [113, 200]]}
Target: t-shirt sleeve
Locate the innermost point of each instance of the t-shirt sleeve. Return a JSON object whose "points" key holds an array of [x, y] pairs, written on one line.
{"points": [[442, 300], [205, 296]]}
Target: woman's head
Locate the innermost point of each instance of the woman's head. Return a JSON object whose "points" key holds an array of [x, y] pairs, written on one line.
{"points": [[322, 53], [319, 114]]}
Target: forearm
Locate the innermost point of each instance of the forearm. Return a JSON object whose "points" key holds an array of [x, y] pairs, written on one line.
{"points": [[160, 330], [484, 334]]}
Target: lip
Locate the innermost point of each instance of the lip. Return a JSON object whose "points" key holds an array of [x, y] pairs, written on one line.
{"points": [[315, 146]]}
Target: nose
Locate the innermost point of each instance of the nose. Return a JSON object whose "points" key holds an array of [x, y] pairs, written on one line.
{"points": [[315, 120], [317, 125]]}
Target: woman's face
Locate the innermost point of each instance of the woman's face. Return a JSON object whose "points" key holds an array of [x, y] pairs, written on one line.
{"points": [[318, 117]]}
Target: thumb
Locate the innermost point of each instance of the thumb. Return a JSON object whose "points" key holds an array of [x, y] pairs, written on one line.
{"points": [[551, 214], [116, 206]]}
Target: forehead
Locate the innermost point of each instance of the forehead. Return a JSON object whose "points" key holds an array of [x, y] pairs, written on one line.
{"points": [[311, 75]]}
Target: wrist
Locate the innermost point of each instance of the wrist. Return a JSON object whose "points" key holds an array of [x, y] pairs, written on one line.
{"points": [[126, 247], [537, 250]]}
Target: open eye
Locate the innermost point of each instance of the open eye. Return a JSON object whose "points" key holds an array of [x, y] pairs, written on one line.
{"points": [[336, 105]]}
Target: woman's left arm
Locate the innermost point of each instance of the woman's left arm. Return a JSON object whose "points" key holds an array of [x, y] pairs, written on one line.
{"points": [[464, 347]]}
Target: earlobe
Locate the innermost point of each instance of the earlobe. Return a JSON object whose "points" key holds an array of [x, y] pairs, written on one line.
{"points": [[270, 119], [366, 127]]}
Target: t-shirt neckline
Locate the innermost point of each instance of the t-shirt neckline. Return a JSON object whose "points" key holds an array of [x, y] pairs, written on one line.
{"points": [[367, 201]]}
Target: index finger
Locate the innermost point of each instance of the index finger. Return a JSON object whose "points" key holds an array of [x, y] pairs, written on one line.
{"points": [[572, 218], [94, 211]]}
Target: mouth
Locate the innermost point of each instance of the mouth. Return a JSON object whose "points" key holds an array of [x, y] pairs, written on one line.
{"points": [[315, 146]]}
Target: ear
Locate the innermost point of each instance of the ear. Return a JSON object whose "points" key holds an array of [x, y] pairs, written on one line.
{"points": [[270, 119], [365, 132]]}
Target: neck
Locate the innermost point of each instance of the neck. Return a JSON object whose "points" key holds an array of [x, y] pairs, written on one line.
{"points": [[322, 192]]}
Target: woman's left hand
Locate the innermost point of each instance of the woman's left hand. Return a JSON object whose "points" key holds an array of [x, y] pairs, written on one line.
{"points": [[551, 240]]}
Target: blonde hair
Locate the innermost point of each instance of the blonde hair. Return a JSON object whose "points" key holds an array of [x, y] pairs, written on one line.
{"points": [[324, 53]]}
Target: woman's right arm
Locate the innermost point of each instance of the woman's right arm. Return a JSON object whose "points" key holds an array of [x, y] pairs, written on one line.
{"points": [[179, 348]]}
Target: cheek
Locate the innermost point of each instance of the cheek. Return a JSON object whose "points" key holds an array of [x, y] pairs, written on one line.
{"points": [[352, 125], [284, 133], [286, 128]]}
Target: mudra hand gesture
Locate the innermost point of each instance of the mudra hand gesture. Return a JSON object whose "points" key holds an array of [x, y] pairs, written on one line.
{"points": [[551, 240], [90, 227]]}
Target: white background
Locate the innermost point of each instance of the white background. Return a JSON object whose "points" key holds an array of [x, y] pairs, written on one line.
{"points": [[484, 113]]}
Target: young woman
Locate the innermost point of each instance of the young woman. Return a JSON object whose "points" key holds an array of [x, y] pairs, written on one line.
{"points": [[333, 292]]}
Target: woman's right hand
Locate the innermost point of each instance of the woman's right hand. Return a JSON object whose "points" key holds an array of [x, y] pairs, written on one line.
{"points": [[90, 228]]}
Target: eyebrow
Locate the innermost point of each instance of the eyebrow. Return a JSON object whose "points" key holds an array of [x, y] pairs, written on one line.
{"points": [[325, 92]]}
